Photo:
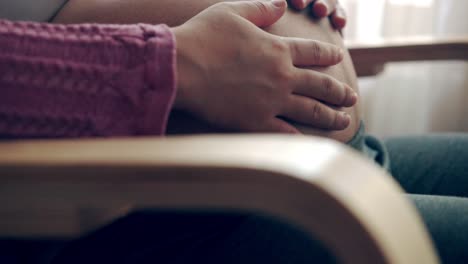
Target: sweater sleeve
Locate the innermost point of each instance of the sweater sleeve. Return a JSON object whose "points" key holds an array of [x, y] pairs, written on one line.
{"points": [[85, 80]]}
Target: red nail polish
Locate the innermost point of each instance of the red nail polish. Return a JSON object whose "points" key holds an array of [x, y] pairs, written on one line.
{"points": [[320, 9]]}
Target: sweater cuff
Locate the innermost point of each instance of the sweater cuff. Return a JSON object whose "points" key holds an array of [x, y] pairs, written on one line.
{"points": [[160, 76]]}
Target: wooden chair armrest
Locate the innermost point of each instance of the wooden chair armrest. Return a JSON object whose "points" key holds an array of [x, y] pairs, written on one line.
{"points": [[351, 205], [370, 57]]}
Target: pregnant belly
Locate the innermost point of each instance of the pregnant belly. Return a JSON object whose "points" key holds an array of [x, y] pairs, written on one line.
{"points": [[293, 24]]}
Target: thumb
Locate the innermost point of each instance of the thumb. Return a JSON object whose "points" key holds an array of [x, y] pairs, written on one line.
{"points": [[261, 13]]}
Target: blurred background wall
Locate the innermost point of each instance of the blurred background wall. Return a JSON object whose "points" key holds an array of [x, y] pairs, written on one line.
{"points": [[418, 97]]}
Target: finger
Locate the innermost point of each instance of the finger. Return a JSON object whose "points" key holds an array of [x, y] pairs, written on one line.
{"points": [[300, 4], [306, 52], [325, 88], [260, 13], [277, 125], [338, 18], [313, 113], [323, 8]]}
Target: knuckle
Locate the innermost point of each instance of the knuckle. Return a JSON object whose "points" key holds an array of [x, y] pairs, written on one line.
{"points": [[261, 6], [220, 10], [285, 74], [327, 87], [335, 122], [280, 72], [316, 51], [346, 95], [279, 46], [317, 112], [295, 49], [223, 6], [283, 78]]}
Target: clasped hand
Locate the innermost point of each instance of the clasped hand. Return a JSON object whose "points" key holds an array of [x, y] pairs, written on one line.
{"points": [[234, 75]]}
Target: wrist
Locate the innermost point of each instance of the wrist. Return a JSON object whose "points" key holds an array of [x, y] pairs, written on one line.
{"points": [[189, 70]]}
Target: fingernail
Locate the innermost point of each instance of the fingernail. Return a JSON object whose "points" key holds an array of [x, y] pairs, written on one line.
{"points": [[320, 8], [325, 5], [353, 96], [345, 120], [278, 3], [339, 21], [340, 54]]}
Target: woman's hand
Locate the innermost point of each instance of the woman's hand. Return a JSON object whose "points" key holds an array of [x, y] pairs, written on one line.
{"points": [[323, 8], [237, 76]]}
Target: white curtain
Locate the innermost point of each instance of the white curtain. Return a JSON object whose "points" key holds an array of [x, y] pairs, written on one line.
{"points": [[417, 97]]}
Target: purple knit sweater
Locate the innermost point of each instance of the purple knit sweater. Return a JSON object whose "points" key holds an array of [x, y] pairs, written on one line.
{"points": [[85, 80]]}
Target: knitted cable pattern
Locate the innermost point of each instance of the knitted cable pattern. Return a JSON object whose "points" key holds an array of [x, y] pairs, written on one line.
{"points": [[85, 80]]}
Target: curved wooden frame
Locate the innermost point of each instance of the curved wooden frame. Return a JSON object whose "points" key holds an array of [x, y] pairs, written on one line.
{"points": [[351, 205], [370, 57]]}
